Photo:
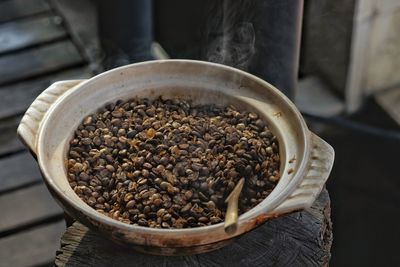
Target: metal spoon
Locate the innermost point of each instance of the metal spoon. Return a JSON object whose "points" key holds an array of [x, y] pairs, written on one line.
{"points": [[231, 216]]}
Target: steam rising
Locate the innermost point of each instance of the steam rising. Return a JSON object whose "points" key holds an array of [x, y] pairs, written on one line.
{"points": [[234, 44], [235, 48]]}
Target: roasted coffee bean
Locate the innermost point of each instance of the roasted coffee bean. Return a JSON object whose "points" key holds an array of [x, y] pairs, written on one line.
{"points": [[210, 205], [188, 194], [130, 204], [186, 208], [86, 141], [165, 185], [203, 219], [157, 202]]}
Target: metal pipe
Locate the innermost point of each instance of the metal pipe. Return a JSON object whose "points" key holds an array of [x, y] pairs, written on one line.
{"points": [[125, 30], [277, 26]]}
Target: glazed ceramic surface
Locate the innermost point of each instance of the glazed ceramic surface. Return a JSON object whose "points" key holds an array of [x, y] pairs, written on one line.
{"points": [[49, 124]]}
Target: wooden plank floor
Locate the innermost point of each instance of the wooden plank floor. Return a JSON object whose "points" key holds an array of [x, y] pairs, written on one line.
{"points": [[35, 50], [16, 9], [27, 32]]}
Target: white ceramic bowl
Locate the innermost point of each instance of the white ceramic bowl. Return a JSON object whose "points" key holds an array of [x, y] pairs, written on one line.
{"points": [[50, 121]]}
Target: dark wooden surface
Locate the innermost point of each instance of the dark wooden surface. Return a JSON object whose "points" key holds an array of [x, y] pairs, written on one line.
{"points": [[38, 61], [35, 51], [16, 9], [34, 247], [9, 144], [29, 32], [13, 176], [22, 94], [299, 239], [27, 206]]}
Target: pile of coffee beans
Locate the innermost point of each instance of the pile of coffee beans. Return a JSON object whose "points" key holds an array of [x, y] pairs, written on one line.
{"points": [[168, 164]]}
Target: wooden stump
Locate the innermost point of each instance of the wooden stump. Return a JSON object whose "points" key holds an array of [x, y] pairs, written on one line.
{"points": [[299, 239]]}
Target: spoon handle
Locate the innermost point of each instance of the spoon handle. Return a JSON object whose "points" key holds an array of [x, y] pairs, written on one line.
{"points": [[231, 215]]}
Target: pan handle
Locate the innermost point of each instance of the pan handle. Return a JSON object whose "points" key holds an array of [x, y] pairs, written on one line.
{"points": [[29, 126], [318, 170]]}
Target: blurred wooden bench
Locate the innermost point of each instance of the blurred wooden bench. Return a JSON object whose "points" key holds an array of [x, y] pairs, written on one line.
{"points": [[35, 50]]}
